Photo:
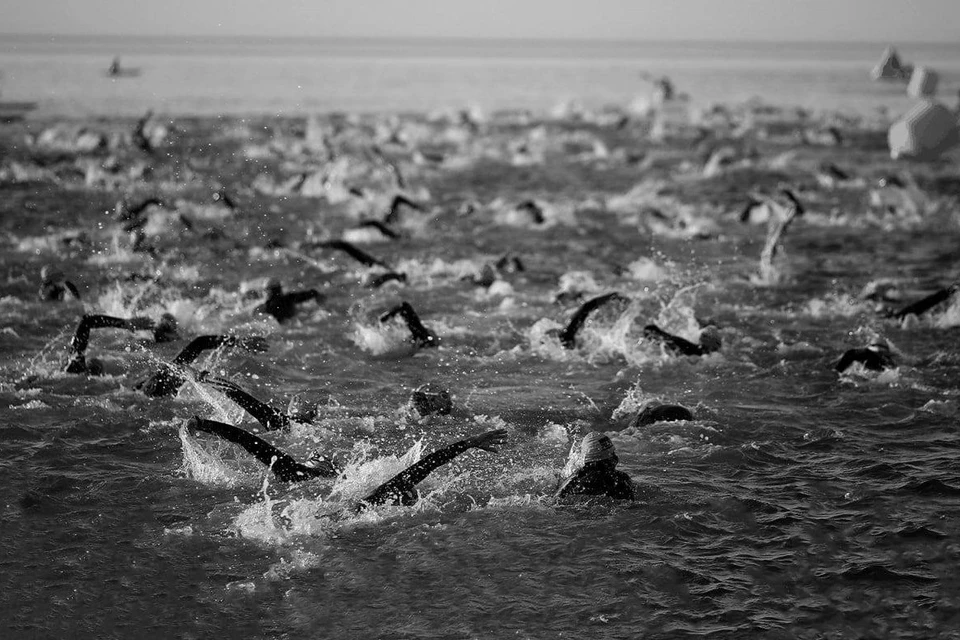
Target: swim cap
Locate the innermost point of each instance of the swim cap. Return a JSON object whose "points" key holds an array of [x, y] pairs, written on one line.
{"points": [[596, 447]]}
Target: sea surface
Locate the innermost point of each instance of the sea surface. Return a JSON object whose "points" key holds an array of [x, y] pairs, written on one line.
{"points": [[66, 75], [799, 503]]}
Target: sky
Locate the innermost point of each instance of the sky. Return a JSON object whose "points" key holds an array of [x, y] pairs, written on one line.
{"points": [[891, 21]]}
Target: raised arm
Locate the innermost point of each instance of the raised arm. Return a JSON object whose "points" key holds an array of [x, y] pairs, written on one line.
{"points": [[568, 336], [359, 255], [267, 416], [421, 335], [81, 338], [672, 342], [284, 467], [198, 345], [922, 306], [400, 488]]}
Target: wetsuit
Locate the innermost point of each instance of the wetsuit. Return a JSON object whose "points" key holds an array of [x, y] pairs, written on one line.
{"points": [[598, 479]]}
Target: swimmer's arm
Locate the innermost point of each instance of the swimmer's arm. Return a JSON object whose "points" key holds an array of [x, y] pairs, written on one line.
{"points": [[922, 306], [676, 343], [569, 335], [204, 343], [72, 288], [412, 475], [82, 336], [284, 466], [267, 416], [850, 356]]}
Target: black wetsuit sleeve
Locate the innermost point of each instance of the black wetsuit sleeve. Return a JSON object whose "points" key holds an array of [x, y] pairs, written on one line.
{"points": [[296, 297], [400, 488], [672, 342], [285, 468], [360, 256], [267, 416], [82, 336], [421, 335], [922, 306], [569, 335], [870, 359], [198, 345], [72, 288]]}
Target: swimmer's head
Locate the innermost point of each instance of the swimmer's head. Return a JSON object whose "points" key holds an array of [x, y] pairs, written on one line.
{"points": [[50, 274], [274, 288], [598, 448], [166, 329], [710, 339]]}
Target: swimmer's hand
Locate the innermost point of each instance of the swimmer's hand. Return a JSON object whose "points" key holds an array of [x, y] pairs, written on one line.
{"points": [[139, 323], [489, 441]]}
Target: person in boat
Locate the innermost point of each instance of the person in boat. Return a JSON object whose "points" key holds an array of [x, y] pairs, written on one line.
{"points": [[597, 475], [169, 377], [81, 339], [874, 357], [282, 305], [419, 334], [54, 285], [398, 490], [709, 341]]}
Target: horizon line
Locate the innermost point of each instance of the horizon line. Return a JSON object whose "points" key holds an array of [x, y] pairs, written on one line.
{"points": [[533, 39]]}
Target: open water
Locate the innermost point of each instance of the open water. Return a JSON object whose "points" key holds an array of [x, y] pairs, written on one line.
{"points": [[799, 503]]}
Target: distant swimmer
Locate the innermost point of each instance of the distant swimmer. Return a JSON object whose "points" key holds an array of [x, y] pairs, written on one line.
{"points": [[381, 227], [81, 339], [533, 210], [568, 337], [922, 306], [359, 255], [431, 399], [166, 329], [399, 490], [220, 196], [284, 467], [168, 379], [780, 220], [656, 412], [598, 474], [133, 213], [419, 334], [141, 137], [400, 200], [54, 286], [709, 342], [875, 357], [271, 419], [283, 306], [114, 68]]}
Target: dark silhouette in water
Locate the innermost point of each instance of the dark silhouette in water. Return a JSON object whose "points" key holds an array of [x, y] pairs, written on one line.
{"points": [[381, 227], [598, 475], [271, 419], [359, 255], [54, 285], [391, 276], [399, 490], [400, 200], [875, 357], [81, 339], [922, 306], [283, 306], [709, 341], [166, 330], [140, 138], [224, 198], [531, 207], [656, 412], [284, 467], [420, 335], [133, 213], [568, 337], [168, 379], [431, 399]]}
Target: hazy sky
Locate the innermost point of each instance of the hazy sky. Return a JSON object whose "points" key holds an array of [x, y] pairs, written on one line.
{"points": [[863, 20]]}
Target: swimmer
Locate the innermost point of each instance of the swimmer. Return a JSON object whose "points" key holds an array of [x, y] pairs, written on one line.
{"points": [[284, 467], [271, 419], [54, 285], [779, 223], [419, 334], [140, 137], [81, 338], [130, 213], [533, 209], [922, 306], [166, 329], [391, 276], [709, 341], [168, 379], [399, 490], [875, 357], [359, 255], [598, 475], [568, 336], [656, 412], [399, 200], [283, 306], [431, 399], [381, 227], [223, 198]]}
